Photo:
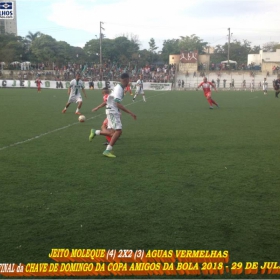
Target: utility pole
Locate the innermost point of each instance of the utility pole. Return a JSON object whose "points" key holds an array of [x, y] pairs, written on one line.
{"points": [[229, 36], [100, 54]]}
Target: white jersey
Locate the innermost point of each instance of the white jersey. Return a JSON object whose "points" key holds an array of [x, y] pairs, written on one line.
{"points": [[116, 96], [265, 85], [76, 87], [139, 86]]}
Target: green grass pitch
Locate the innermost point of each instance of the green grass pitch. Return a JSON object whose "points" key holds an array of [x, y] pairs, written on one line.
{"points": [[185, 177]]}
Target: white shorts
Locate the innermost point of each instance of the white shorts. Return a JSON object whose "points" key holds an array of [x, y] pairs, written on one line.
{"points": [[139, 91], [114, 120], [75, 98], [264, 87]]}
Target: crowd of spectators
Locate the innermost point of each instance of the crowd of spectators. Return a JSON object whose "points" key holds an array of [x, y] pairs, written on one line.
{"points": [[92, 72]]}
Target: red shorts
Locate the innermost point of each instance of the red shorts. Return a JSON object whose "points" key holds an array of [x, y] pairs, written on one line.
{"points": [[127, 88], [208, 94]]}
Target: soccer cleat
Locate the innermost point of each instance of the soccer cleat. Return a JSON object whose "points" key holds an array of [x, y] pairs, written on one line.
{"points": [[78, 113], [107, 153], [63, 111], [210, 107], [217, 106], [92, 134]]}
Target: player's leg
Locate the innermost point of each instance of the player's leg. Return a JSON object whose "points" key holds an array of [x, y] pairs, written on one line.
{"points": [[136, 93], [144, 97], [104, 132], [209, 100], [80, 103], [114, 121], [104, 127], [66, 106], [213, 102]]}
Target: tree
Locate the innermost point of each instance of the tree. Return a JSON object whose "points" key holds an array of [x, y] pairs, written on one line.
{"points": [[255, 49], [192, 43], [119, 49], [170, 46], [32, 36], [12, 48], [45, 48], [152, 49], [238, 52], [271, 46]]}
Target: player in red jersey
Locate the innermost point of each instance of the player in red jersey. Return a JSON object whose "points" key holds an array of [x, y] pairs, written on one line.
{"points": [[206, 86], [127, 89], [38, 82], [104, 127]]}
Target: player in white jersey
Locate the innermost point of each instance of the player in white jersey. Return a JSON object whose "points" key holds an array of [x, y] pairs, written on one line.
{"points": [[252, 85], [113, 108], [265, 86], [139, 89], [74, 92]]}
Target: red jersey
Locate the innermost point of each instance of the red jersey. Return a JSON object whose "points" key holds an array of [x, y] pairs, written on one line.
{"points": [[105, 97], [38, 82], [127, 88], [206, 86]]}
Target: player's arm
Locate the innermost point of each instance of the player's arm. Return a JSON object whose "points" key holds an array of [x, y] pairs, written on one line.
{"points": [[199, 86], [121, 107], [99, 106]]}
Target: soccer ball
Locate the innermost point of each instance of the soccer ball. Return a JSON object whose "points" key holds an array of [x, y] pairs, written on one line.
{"points": [[82, 118]]}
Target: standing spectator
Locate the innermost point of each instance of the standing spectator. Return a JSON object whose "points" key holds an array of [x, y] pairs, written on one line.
{"points": [[218, 82], [264, 85], [244, 85], [224, 81], [253, 85], [183, 83], [179, 83], [194, 74]]}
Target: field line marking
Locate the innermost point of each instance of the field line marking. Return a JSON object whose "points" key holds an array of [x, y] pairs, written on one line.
{"points": [[62, 128]]}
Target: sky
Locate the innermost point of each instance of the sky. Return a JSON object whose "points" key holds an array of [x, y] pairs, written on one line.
{"points": [[78, 21]]}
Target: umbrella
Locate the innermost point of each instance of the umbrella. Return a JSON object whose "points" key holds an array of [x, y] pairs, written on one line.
{"points": [[27, 62], [229, 61], [15, 62], [2, 63]]}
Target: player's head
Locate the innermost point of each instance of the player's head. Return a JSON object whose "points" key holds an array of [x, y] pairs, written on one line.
{"points": [[124, 79], [140, 76], [204, 79], [105, 90], [78, 76]]}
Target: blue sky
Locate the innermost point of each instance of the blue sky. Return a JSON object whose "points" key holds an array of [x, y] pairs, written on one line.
{"points": [[77, 21]]}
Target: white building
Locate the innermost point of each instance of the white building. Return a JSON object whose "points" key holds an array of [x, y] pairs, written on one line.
{"points": [[258, 59], [9, 25]]}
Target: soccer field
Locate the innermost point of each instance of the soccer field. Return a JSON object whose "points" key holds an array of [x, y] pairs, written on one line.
{"points": [[185, 177]]}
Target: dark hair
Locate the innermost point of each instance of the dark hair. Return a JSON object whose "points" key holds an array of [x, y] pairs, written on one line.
{"points": [[124, 76]]}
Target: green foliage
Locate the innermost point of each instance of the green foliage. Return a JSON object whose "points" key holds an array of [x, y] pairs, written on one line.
{"points": [[238, 52], [192, 43], [170, 46], [12, 48], [120, 49]]}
